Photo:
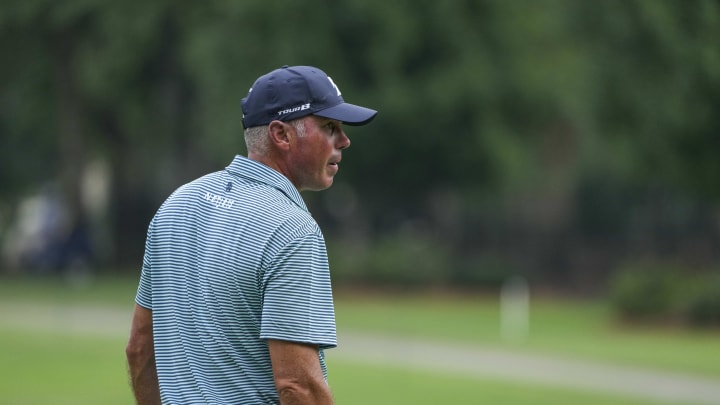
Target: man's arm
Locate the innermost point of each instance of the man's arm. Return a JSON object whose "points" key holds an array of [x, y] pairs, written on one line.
{"points": [[140, 354], [298, 377]]}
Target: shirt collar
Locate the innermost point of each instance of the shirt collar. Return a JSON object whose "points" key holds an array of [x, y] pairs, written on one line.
{"points": [[250, 169]]}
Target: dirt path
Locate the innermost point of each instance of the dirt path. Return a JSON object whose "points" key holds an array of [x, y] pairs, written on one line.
{"points": [[467, 360]]}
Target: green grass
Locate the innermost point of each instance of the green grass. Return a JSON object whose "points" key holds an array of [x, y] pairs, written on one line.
{"points": [[42, 368], [578, 329], [107, 291], [49, 367], [58, 369], [581, 329], [355, 383]]}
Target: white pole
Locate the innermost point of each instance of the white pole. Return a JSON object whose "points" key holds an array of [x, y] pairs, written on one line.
{"points": [[515, 310]]}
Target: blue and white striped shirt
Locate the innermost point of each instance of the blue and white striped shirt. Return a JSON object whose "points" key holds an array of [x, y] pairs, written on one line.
{"points": [[232, 259]]}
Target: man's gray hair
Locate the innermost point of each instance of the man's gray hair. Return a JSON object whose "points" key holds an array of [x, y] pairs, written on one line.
{"points": [[257, 141]]}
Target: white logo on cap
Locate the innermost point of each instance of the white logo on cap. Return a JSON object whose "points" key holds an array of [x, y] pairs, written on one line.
{"points": [[294, 109], [334, 85]]}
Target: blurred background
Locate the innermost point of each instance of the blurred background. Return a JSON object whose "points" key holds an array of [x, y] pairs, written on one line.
{"points": [[571, 145], [565, 142]]}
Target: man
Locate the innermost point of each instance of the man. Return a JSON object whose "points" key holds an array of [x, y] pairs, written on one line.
{"points": [[234, 304]]}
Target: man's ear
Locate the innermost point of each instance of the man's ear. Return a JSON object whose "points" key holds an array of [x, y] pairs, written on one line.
{"points": [[278, 132]]}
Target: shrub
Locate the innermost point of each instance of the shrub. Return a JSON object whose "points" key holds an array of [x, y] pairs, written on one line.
{"points": [[643, 291], [652, 292], [483, 271], [393, 260], [408, 260], [702, 307]]}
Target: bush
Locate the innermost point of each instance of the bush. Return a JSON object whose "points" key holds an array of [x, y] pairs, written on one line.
{"points": [[408, 261], [702, 307], [644, 292], [654, 292], [483, 271], [394, 260]]}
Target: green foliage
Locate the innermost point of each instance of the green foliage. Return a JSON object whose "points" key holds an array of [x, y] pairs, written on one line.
{"points": [[645, 291], [486, 271], [658, 292], [527, 102], [702, 306], [402, 259], [409, 259]]}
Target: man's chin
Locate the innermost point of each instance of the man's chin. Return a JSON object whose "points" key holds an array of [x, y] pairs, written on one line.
{"points": [[319, 186]]}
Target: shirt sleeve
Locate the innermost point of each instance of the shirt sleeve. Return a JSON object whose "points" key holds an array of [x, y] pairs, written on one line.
{"points": [[144, 292], [297, 299]]}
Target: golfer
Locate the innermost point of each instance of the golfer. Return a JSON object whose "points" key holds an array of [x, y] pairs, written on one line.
{"points": [[234, 304]]}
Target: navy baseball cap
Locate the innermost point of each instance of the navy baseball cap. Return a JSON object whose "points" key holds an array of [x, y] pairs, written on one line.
{"points": [[296, 91]]}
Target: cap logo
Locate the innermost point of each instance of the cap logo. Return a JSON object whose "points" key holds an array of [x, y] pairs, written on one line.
{"points": [[334, 85], [294, 109]]}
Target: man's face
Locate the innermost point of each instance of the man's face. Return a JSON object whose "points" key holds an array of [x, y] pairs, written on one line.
{"points": [[315, 157]]}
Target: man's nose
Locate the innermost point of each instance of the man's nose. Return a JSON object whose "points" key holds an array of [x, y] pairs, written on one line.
{"points": [[344, 141]]}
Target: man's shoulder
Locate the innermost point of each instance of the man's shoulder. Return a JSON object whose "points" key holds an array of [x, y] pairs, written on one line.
{"points": [[208, 180], [187, 192], [279, 208]]}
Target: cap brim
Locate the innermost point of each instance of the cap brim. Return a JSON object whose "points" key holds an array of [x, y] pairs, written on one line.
{"points": [[349, 114]]}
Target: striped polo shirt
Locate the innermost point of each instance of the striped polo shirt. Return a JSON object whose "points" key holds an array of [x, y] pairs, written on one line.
{"points": [[232, 259]]}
